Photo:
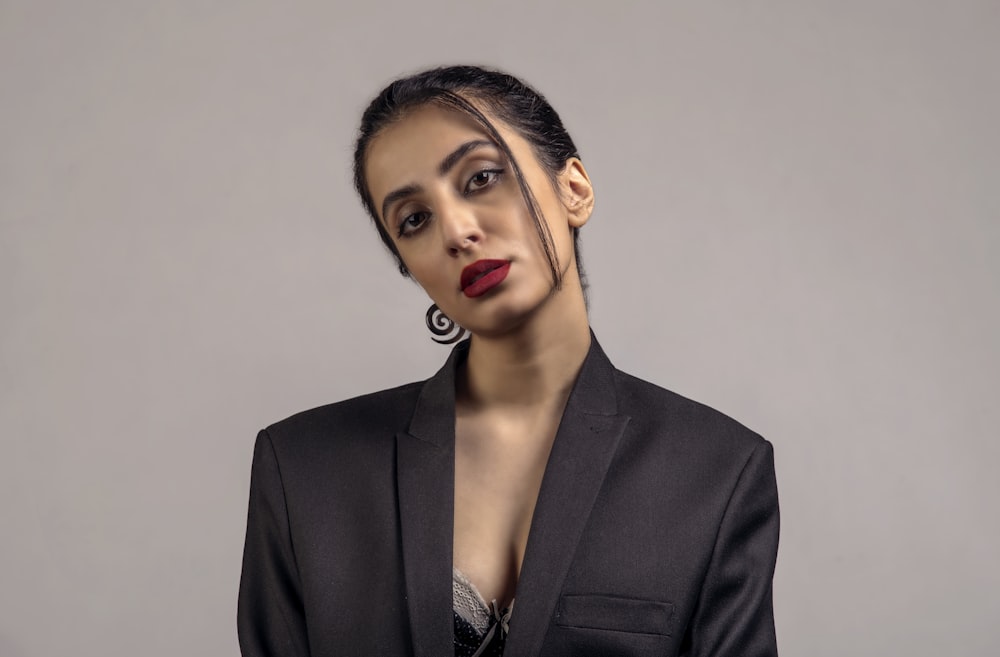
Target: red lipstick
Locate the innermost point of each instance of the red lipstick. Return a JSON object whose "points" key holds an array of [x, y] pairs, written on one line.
{"points": [[482, 276]]}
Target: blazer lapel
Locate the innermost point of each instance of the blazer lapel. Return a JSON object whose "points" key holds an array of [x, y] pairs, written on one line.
{"points": [[584, 445], [425, 479]]}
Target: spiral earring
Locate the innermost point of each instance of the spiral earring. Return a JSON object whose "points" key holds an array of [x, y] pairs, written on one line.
{"points": [[443, 326]]}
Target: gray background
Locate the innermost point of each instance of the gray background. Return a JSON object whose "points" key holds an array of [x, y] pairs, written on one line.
{"points": [[797, 222]]}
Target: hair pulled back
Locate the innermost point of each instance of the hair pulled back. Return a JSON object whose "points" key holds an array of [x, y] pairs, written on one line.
{"points": [[503, 96]]}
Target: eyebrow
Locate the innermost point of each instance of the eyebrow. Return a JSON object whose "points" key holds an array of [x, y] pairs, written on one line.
{"points": [[447, 164]]}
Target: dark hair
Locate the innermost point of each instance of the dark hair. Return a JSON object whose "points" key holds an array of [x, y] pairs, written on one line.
{"points": [[505, 97]]}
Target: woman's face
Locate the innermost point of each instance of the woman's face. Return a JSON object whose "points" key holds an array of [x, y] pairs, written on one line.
{"points": [[449, 200]]}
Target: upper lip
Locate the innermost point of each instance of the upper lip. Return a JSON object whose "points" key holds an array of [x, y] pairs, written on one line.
{"points": [[478, 269]]}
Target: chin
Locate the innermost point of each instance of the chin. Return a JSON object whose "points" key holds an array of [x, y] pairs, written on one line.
{"points": [[505, 315]]}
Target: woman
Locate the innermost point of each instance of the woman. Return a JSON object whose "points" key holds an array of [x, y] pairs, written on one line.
{"points": [[529, 498]]}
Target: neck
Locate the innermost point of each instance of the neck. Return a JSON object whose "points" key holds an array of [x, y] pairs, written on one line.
{"points": [[534, 365]]}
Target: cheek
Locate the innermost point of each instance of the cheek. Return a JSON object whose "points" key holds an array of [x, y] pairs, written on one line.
{"points": [[426, 271]]}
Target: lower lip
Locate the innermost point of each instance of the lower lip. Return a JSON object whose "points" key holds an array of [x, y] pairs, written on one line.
{"points": [[487, 282]]}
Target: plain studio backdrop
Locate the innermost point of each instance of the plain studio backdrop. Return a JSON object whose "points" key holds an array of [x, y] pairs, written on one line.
{"points": [[797, 222]]}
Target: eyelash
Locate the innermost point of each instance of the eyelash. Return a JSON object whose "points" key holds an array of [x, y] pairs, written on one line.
{"points": [[496, 176]]}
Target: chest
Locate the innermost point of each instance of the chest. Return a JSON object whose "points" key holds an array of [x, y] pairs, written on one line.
{"points": [[499, 466]]}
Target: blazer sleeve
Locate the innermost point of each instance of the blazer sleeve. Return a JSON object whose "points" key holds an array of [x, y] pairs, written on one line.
{"points": [[734, 615], [270, 619]]}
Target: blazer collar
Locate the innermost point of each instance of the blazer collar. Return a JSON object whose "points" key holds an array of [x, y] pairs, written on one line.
{"points": [[434, 415], [425, 460]]}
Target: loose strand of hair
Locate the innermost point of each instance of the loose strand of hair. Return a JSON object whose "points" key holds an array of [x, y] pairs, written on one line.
{"points": [[460, 103]]}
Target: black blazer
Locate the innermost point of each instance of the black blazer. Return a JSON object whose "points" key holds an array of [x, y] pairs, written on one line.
{"points": [[655, 530]]}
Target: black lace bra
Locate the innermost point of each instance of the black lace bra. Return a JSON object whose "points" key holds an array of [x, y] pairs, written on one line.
{"points": [[480, 628]]}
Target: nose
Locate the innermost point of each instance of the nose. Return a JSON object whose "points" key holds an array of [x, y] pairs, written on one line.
{"points": [[459, 227]]}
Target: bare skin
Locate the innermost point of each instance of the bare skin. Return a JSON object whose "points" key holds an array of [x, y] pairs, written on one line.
{"points": [[508, 410], [529, 339]]}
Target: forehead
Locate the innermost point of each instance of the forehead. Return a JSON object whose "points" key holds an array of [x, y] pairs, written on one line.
{"points": [[421, 137], [421, 131]]}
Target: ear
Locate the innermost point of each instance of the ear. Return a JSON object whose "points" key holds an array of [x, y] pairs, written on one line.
{"points": [[577, 192]]}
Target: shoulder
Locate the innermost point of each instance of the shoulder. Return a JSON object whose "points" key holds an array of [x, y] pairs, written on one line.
{"points": [[364, 418], [689, 426], [693, 454]]}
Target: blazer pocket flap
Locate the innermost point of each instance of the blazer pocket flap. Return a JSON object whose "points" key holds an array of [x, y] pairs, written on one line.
{"points": [[606, 612]]}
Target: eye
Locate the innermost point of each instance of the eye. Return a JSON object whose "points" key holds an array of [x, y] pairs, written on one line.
{"points": [[483, 179], [411, 223]]}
